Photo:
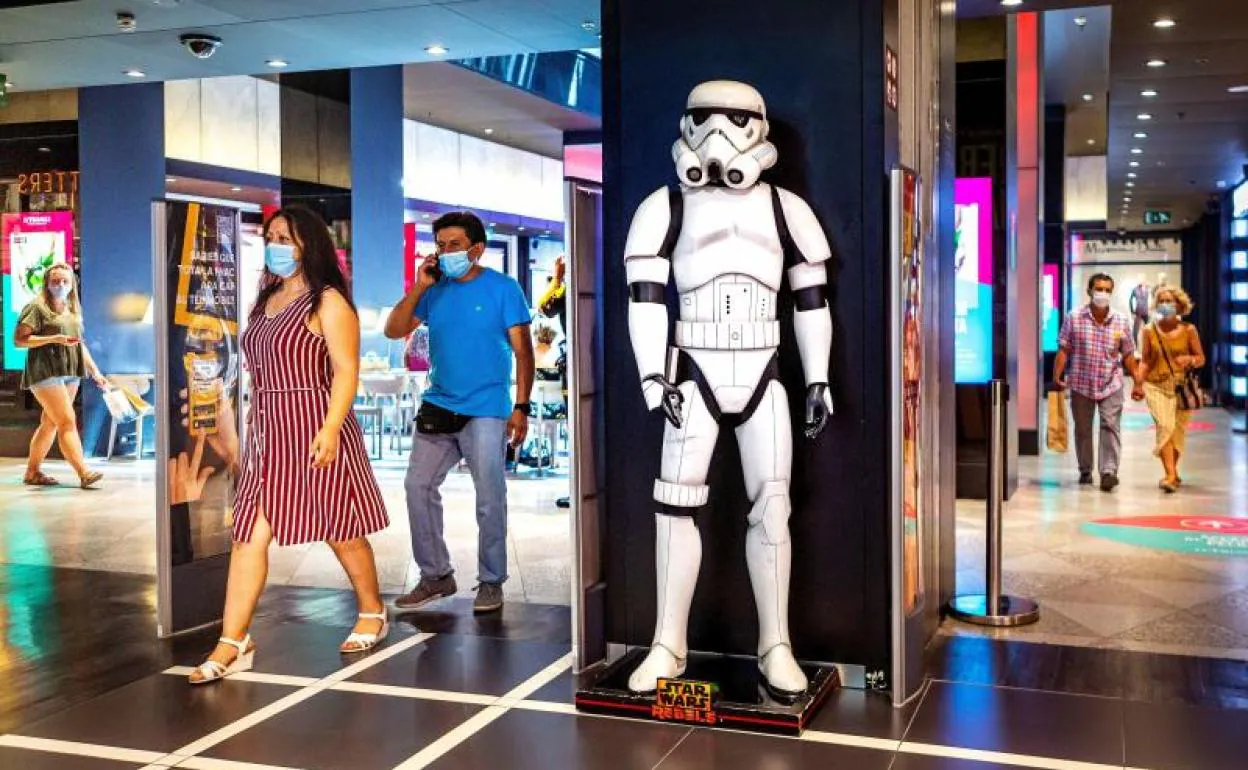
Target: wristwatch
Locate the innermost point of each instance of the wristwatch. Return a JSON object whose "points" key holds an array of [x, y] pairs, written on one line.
{"points": [[523, 406]]}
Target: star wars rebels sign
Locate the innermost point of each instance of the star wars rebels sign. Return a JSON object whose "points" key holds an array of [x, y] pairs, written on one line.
{"points": [[682, 700]]}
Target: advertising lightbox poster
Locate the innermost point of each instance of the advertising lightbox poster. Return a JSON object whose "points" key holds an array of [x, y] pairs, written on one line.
{"points": [[32, 242], [199, 446], [973, 280], [1051, 322]]}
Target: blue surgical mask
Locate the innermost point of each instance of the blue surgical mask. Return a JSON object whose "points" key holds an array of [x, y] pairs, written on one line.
{"points": [[455, 264], [279, 258], [60, 292], [1167, 310]]}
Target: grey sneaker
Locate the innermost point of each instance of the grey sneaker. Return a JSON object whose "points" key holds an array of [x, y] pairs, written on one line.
{"points": [[425, 592], [489, 598]]}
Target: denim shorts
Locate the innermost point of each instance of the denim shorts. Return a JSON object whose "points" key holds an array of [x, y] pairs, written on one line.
{"points": [[52, 382]]}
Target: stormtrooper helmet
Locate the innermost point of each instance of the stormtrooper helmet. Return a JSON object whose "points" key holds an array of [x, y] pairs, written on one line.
{"points": [[723, 136]]}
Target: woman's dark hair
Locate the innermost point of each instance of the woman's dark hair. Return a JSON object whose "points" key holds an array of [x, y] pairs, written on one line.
{"points": [[319, 259], [467, 220]]}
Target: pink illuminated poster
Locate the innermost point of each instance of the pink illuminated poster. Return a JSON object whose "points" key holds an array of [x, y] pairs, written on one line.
{"points": [[973, 261], [1050, 304], [31, 243]]}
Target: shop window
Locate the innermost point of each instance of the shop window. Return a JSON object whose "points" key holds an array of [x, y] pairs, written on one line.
{"points": [[1239, 260], [1239, 323], [1239, 292], [1239, 355], [1239, 228], [1239, 387]]}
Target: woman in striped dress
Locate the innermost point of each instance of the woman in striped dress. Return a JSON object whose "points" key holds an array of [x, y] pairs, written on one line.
{"points": [[1171, 349], [304, 474]]}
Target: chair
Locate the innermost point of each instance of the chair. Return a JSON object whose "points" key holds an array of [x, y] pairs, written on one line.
{"points": [[385, 392], [139, 384], [546, 393]]}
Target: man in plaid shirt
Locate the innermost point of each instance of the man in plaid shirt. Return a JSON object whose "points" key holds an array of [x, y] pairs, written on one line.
{"points": [[1096, 343]]}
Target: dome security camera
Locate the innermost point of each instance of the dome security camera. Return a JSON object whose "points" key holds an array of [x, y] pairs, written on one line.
{"points": [[200, 45]]}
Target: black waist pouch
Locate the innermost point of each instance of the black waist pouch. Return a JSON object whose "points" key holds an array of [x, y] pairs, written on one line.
{"points": [[433, 420]]}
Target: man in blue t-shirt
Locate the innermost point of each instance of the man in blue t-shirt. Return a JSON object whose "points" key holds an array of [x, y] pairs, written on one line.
{"points": [[478, 319]]}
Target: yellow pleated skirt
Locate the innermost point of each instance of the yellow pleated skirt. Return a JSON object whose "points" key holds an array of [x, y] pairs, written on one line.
{"points": [[1171, 421]]}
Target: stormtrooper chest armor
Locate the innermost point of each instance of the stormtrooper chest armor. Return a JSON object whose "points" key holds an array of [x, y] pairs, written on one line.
{"points": [[728, 265]]}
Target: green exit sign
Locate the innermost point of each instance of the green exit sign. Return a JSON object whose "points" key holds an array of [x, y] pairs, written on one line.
{"points": [[1156, 217]]}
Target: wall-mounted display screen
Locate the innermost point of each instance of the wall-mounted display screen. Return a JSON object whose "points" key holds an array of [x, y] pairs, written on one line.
{"points": [[32, 242], [1050, 305], [973, 281]]}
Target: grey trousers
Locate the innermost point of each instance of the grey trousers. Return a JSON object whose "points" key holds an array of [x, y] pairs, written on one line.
{"points": [[1110, 409]]}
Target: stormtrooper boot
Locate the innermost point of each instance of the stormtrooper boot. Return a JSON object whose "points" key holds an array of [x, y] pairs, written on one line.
{"points": [[678, 556], [769, 554]]}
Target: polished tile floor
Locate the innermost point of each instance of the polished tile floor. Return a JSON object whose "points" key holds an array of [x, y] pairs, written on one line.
{"points": [[87, 687], [113, 529], [1100, 585]]}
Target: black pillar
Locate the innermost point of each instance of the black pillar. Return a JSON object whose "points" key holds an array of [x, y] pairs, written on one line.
{"points": [[820, 66]]}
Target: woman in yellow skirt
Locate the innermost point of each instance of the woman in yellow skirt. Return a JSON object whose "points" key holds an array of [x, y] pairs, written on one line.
{"points": [[1161, 370]]}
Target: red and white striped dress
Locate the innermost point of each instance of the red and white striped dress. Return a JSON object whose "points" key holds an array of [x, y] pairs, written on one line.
{"points": [[291, 376]]}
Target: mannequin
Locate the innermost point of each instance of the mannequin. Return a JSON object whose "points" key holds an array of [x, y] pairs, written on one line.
{"points": [[729, 240], [1138, 301]]}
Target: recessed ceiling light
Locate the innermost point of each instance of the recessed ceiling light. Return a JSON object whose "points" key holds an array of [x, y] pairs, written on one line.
{"points": [[489, 130], [170, 179], [277, 63], [1081, 21], [1221, 184], [1091, 142], [1011, 3], [1144, 116], [1134, 164], [1148, 93], [1163, 23], [589, 25], [1136, 151], [1233, 89], [493, 224], [437, 50], [1140, 135], [1155, 63], [135, 74], [1087, 97], [1132, 175], [236, 188], [1130, 184], [45, 149]]}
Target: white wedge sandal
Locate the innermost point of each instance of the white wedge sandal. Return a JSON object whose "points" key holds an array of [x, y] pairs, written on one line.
{"points": [[211, 671], [367, 641]]}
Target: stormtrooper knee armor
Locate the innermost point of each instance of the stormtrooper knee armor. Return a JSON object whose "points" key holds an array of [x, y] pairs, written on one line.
{"points": [[728, 241]]}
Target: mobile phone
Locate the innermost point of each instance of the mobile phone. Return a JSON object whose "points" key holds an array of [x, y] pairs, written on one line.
{"points": [[436, 271]]}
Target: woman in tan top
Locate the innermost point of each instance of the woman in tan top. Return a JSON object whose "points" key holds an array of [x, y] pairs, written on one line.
{"points": [[1161, 370]]}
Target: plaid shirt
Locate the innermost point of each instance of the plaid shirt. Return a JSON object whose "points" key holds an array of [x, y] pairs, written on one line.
{"points": [[1095, 351]]}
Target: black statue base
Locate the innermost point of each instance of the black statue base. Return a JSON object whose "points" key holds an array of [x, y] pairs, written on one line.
{"points": [[738, 699]]}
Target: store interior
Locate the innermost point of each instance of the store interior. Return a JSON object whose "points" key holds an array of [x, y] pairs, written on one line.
{"points": [[503, 147]]}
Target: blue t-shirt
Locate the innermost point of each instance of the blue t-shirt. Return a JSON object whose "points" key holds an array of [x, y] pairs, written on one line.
{"points": [[469, 349]]}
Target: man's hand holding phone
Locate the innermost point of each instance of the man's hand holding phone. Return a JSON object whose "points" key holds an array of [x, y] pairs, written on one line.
{"points": [[429, 273]]}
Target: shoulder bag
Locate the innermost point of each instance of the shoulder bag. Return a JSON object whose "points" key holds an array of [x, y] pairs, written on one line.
{"points": [[1186, 388]]}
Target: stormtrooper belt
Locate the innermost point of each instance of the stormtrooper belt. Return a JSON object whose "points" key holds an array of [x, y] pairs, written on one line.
{"points": [[751, 335]]}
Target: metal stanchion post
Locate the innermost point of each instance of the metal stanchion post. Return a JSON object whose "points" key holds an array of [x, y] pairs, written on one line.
{"points": [[995, 608]]}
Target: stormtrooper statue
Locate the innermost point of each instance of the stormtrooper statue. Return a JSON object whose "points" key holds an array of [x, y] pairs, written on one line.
{"points": [[729, 240]]}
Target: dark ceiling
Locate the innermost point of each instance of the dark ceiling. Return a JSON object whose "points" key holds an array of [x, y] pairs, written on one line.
{"points": [[1197, 133]]}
